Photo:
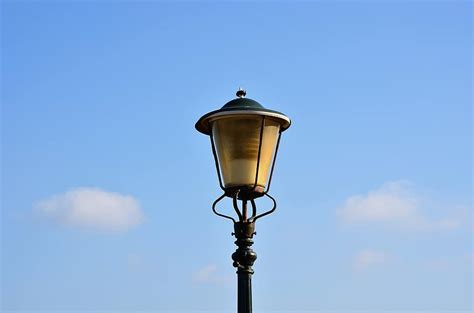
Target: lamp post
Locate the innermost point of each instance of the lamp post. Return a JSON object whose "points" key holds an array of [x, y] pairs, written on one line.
{"points": [[244, 138]]}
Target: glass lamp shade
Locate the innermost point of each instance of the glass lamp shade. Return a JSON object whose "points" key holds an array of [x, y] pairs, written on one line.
{"points": [[245, 152]]}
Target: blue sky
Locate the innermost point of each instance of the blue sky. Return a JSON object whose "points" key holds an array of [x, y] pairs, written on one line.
{"points": [[107, 187]]}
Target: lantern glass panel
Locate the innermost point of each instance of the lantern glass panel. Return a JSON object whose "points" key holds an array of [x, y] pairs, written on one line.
{"points": [[237, 140]]}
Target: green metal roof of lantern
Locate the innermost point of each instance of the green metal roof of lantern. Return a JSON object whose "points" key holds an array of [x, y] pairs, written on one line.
{"points": [[241, 106]]}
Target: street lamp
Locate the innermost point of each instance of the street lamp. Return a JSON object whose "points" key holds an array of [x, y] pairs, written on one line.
{"points": [[244, 137]]}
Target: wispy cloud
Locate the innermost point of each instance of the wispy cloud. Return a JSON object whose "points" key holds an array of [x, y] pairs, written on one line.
{"points": [[366, 259], [449, 263], [438, 265], [394, 203], [209, 275], [92, 208]]}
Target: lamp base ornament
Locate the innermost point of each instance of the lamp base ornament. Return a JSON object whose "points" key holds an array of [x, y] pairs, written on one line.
{"points": [[244, 257]]}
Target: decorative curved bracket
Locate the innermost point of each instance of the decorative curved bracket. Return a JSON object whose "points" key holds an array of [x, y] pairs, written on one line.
{"points": [[219, 214], [242, 212], [269, 211]]}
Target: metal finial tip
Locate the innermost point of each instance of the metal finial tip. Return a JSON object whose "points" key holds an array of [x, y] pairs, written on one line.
{"points": [[240, 93]]}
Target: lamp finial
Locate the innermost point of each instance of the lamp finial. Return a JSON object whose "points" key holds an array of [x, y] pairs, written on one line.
{"points": [[240, 93]]}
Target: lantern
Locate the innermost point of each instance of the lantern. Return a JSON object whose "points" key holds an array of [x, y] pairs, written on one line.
{"points": [[245, 137]]}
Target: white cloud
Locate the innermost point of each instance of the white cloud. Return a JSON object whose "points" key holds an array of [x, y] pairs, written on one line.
{"points": [[394, 203], [366, 259], [92, 208], [209, 275]]}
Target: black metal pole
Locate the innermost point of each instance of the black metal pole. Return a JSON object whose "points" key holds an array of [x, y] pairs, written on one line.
{"points": [[244, 257]]}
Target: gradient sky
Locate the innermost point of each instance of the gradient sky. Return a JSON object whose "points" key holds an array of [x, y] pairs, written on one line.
{"points": [[107, 187]]}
